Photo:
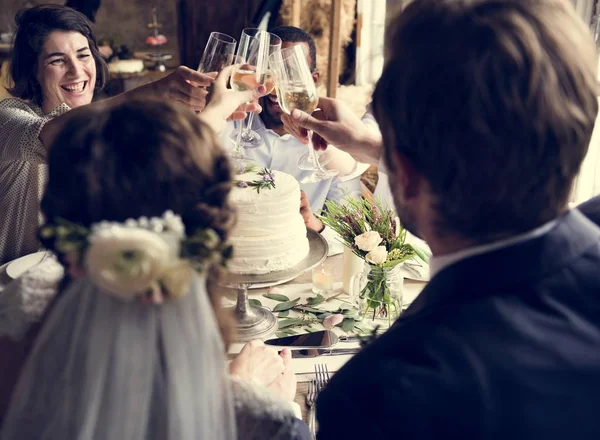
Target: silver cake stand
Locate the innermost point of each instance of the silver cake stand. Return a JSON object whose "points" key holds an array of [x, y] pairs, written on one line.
{"points": [[255, 322]]}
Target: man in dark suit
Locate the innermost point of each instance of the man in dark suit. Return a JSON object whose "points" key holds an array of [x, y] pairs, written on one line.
{"points": [[486, 109]]}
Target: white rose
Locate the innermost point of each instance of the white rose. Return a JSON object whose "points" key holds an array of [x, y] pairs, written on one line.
{"points": [[125, 261], [367, 241], [377, 255], [174, 223], [177, 279]]}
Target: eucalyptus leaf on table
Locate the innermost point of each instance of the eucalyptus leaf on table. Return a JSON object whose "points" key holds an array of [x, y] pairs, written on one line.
{"points": [[276, 297], [255, 302], [315, 300], [284, 333], [285, 305], [290, 323], [348, 324]]}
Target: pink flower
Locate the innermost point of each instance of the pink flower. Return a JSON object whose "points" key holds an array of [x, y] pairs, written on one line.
{"points": [[332, 320]]}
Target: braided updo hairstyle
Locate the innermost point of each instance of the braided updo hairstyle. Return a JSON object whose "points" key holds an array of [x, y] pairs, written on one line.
{"points": [[136, 159]]}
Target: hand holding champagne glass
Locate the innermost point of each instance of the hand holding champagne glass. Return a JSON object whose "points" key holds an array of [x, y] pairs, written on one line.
{"points": [[296, 90], [254, 49]]}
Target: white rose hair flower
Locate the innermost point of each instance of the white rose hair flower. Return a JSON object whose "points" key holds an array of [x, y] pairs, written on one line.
{"points": [[177, 279], [377, 255], [146, 258], [368, 241], [125, 261]]}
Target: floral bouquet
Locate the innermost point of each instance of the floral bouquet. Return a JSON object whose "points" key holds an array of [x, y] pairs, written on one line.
{"points": [[375, 234]]}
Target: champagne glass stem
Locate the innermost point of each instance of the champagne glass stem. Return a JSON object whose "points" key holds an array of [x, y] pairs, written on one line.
{"points": [[238, 143], [313, 153], [249, 125]]}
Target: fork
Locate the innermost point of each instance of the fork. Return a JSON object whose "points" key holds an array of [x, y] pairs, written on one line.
{"points": [[322, 376], [314, 388], [311, 398]]}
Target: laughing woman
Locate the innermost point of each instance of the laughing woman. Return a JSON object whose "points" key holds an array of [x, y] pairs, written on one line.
{"points": [[56, 67]]}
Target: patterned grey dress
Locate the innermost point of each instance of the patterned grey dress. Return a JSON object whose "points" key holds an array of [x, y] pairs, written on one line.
{"points": [[23, 175]]}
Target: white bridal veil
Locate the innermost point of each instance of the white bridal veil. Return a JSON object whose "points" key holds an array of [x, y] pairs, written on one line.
{"points": [[106, 369]]}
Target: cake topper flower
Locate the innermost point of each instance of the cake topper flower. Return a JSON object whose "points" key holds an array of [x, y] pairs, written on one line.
{"points": [[266, 181]]}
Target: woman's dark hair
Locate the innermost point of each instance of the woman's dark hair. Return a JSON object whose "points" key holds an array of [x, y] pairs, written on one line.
{"points": [[140, 158], [34, 26]]}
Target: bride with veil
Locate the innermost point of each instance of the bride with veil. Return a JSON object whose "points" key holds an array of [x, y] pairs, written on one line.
{"points": [[134, 345]]}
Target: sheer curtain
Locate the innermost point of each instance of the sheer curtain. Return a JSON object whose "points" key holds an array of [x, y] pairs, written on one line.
{"points": [[587, 184]]}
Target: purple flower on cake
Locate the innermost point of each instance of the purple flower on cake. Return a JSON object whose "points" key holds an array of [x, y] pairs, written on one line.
{"points": [[268, 177], [242, 185]]}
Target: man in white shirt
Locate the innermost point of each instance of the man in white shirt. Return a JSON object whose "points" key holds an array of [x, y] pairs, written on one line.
{"points": [[281, 151]]}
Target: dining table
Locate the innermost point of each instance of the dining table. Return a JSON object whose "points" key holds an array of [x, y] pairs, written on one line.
{"points": [[301, 287]]}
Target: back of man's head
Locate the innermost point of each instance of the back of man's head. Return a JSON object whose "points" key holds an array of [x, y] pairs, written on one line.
{"points": [[292, 34], [494, 103]]}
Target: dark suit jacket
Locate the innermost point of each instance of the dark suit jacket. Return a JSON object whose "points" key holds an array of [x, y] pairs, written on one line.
{"points": [[591, 209], [504, 345]]}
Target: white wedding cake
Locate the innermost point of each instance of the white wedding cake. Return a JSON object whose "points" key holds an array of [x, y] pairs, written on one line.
{"points": [[270, 234], [126, 66]]}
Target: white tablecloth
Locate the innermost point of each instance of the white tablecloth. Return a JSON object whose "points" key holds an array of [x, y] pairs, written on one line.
{"points": [[302, 287]]}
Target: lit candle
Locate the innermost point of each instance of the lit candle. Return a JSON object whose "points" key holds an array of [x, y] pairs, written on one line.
{"points": [[322, 280]]}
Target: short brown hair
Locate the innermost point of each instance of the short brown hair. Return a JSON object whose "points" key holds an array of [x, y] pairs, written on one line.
{"points": [[34, 26], [140, 158], [494, 103]]}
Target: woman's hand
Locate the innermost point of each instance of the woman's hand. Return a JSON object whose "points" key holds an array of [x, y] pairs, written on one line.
{"points": [[184, 85], [259, 364], [285, 385], [228, 104]]}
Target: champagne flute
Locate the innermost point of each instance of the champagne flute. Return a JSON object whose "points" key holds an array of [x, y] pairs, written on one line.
{"points": [[218, 53], [296, 89], [255, 48]]}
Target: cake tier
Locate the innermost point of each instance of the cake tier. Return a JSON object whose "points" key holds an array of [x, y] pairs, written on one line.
{"points": [[270, 234], [126, 66]]}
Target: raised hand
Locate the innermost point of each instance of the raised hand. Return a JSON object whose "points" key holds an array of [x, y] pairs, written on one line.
{"points": [[337, 125], [227, 104], [185, 86]]}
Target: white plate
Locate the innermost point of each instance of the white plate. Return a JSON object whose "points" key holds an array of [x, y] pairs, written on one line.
{"points": [[16, 268]]}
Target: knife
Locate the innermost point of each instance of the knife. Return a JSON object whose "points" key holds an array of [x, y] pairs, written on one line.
{"points": [[322, 339], [314, 352]]}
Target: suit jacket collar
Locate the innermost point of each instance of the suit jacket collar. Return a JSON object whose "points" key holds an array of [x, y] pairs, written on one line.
{"points": [[490, 273]]}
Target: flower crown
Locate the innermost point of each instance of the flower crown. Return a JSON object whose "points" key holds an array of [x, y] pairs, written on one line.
{"points": [[147, 259]]}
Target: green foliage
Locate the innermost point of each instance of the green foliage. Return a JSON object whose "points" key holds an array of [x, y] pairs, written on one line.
{"points": [[276, 297], [354, 217], [255, 302], [267, 180], [285, 305]]}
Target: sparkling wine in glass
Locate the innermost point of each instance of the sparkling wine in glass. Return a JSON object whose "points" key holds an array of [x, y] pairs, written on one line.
{"points": [[255, 48], [296, 90]]}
